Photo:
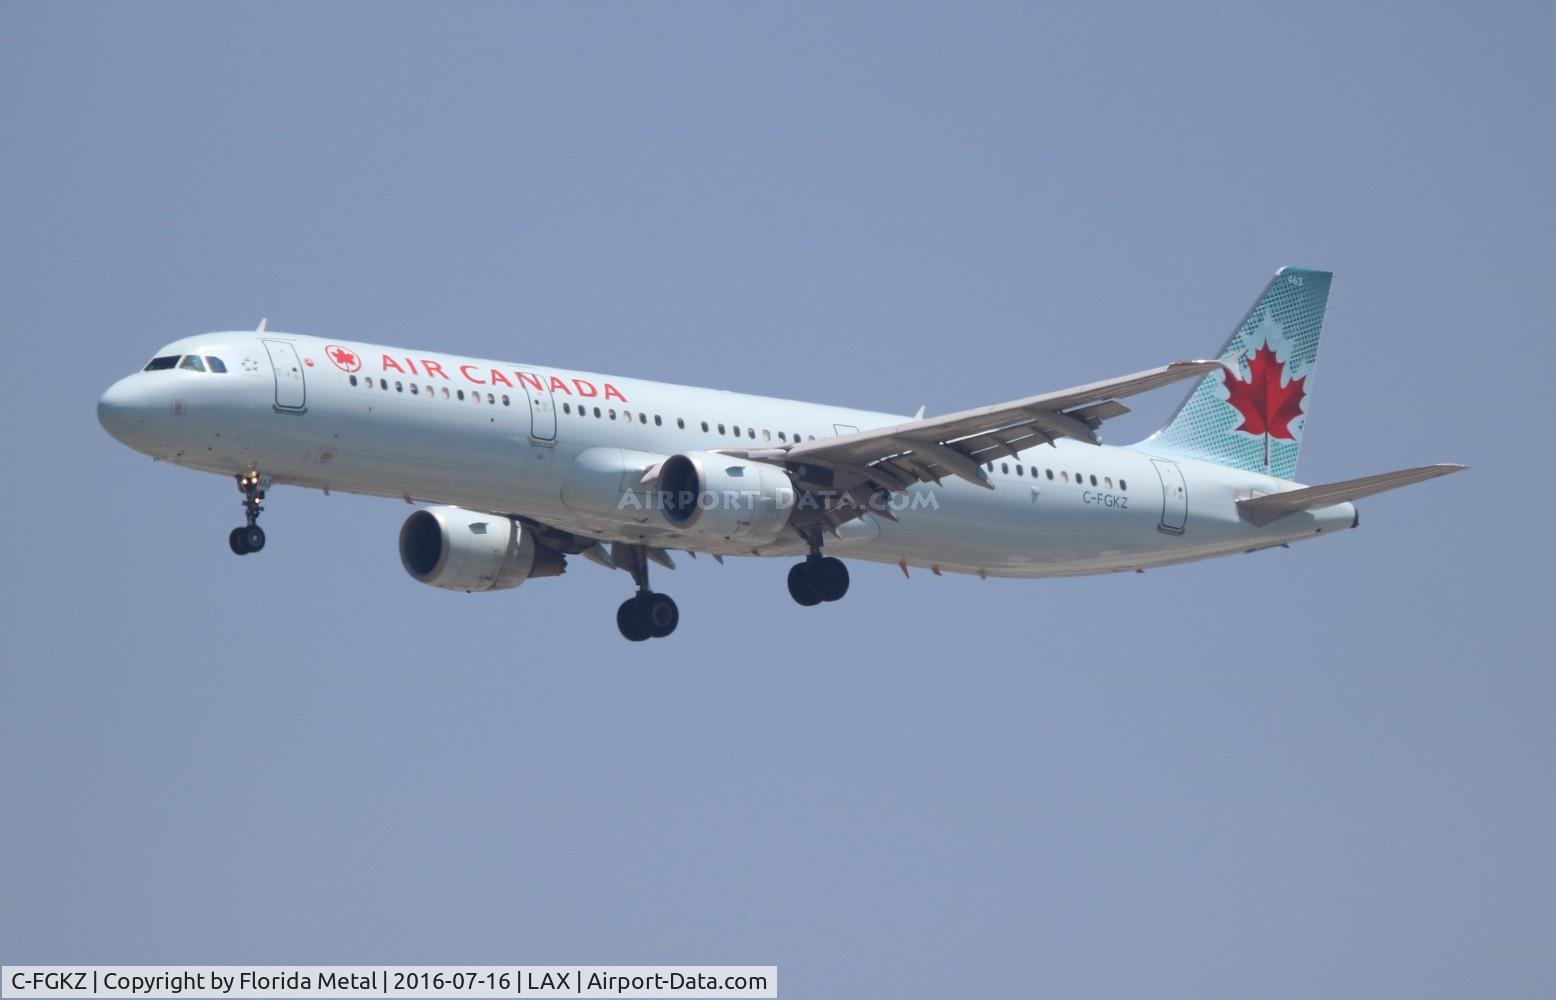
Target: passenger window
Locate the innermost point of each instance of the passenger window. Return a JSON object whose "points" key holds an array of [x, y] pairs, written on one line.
{"points": [[353, 380], [1108, 480], [415, 389], [680, 424], [613, 413], [781, 436], [399, 387], [491, 398], [1005, 468], [736, 429], [642, 418], [216, 365], [1050, 473], [767, 435], [445, 392], [505, 400], [1064, 475], [1093, 480], [751, 433], [193, 363], [705, 427], [383, 384], [460, 394], [161, 364], [1123, 485], [657, 421], [567, 407], [721, 428], [1018, 471]]}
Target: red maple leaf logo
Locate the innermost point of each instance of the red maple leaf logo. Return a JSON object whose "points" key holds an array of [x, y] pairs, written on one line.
{"points": [[345, 360], [1266, 406]]}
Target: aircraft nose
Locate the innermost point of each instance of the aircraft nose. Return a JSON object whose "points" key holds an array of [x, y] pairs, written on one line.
{"points": [[121, 409]]}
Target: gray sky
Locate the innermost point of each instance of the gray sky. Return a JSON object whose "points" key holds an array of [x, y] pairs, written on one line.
{"points": [[1315, 772]]}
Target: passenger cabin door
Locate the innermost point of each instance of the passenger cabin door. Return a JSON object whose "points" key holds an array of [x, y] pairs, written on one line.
{"points": [[542, 408], [1175, 497], [291, 390]]}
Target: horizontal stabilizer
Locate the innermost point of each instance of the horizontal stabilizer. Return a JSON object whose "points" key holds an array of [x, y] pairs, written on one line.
{"points": [[1263, 510]]}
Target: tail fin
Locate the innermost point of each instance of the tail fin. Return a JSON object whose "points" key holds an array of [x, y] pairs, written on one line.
{"points": [[1251, 414]]}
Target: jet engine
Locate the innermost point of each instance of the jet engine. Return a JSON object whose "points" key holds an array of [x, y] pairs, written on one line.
{"points": [[720, 497], [458, 549]]}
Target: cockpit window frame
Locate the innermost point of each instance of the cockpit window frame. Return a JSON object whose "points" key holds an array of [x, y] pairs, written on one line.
{"points": [[192, 363], [163, 363]]}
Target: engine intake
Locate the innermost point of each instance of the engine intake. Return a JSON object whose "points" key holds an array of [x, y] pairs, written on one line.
{"points": [[458, 549], [719, 496]]}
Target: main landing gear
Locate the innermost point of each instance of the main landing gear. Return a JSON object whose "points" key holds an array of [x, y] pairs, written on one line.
{"points": [[250, 537], [819, 578], [645, 615]]}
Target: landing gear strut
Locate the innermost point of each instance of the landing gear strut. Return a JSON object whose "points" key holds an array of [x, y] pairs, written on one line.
{"points": [[819, 578], [645, 615], [250, 537]]}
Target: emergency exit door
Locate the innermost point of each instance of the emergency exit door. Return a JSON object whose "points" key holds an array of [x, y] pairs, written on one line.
{"points": [[542, 408], [291, 389], [1175, 497]]}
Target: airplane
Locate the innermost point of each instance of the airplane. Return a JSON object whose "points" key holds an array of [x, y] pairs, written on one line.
{"points": [[521, 466]]}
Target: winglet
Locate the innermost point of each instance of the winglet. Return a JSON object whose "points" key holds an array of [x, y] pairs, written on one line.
{"points": [[261, 327]]}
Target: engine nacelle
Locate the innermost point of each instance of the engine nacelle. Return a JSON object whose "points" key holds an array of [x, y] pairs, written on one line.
{"points": [[718, 496], [459, 549]]}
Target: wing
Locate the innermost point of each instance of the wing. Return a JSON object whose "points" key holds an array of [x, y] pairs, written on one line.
{"points": [[855, 466], [957, 444]]}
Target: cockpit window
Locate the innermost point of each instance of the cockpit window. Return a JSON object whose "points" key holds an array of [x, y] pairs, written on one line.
{"points": [[161, 364], [193, 363], [216, 365]]}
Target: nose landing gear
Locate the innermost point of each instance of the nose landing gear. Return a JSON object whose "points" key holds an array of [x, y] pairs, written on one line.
{"points": [[250, 537]]}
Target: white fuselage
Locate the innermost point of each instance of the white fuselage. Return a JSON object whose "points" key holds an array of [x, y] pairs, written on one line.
{"points": [[543, 444]]}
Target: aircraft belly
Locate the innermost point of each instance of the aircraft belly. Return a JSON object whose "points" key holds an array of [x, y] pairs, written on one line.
{"points": [[1017, 529]]}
